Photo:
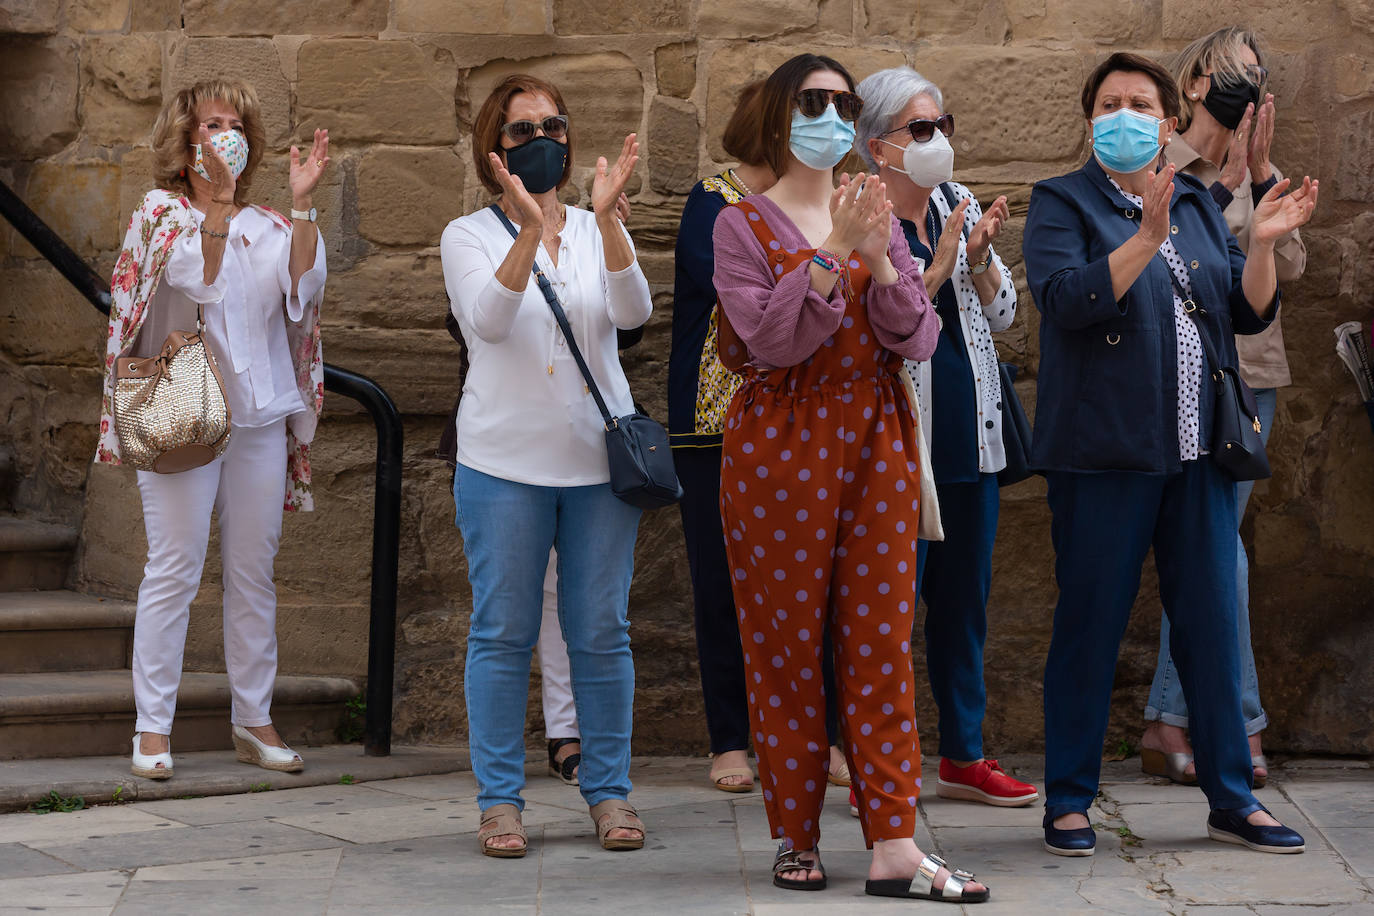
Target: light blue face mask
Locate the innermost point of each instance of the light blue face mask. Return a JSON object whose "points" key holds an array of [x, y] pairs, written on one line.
{"points": [[1125, 141], [820, 143]]}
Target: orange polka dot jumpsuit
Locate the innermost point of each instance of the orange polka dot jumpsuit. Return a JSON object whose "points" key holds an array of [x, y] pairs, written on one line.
{"points": [[819, 499]]}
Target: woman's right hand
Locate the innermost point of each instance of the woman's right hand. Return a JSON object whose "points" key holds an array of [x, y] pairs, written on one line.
{"points": [[1154, 211], [858, 209], [1238, 152], [517, 198], [222, 183], [946, 257]]}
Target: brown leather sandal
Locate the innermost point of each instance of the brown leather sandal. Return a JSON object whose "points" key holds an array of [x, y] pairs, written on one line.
{"points": [[502, 820], [616, 813]]}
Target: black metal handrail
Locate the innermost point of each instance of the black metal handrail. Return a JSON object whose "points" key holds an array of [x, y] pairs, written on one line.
{"points": [[386, 517]]}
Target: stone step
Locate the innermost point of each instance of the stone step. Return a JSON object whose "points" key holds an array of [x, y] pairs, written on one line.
{"points": [[34, 554], [85, 713], [63, 631]]}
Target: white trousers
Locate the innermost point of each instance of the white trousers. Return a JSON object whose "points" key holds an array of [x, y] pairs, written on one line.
{"points": [[560, 716], [243, 487]]}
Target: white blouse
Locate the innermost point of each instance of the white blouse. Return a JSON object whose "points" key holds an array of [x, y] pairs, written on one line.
{"points": [[244, 319], [525, 414], [977, 322]]}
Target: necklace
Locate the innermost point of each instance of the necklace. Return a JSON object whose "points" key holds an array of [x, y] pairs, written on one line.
{"points": [[745, 187]]}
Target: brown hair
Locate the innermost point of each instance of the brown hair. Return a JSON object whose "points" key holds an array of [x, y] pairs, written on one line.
{"points": [[742, 140], [779, 96], [1218, 52], [178, 127], [1124, 62], [486, 129]]}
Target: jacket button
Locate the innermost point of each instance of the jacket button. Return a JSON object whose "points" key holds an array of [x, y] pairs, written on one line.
{"points": [[1173, 230], [1194, 265], [1092, 296]]}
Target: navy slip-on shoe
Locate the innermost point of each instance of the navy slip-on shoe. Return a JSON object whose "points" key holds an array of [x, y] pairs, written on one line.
{"points": [[1077, 842], [1226, 826]]}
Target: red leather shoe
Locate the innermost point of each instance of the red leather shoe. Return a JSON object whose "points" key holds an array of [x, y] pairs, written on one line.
{"points": [[984, 781], [853, 804]]}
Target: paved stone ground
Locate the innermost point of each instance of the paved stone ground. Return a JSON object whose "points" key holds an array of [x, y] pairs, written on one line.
{"points": [[408, 846]]}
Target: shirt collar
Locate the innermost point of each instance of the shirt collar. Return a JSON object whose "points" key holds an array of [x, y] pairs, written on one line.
{"points": [[1098, 177]]}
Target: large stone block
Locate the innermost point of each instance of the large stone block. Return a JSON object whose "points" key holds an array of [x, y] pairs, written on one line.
{"points": [[676, 68], [38, 106], [761, 19], [80, 201], [44, 320], [123, 88], [604, 93], [1110, 22], [417, 367], [475, 17], [598, 17], [1352, 77], [1029, 111], [732, 67], [673, 137], [29, 17], [97, 15], [408, 196], [1355, 180], [391, 291], [388, 91], [285, 17], [252, 59], [155, 16], [1185, 20]]}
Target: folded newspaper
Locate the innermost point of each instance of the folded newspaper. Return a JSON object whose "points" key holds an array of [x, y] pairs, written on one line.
{"points": [[1353, 349]]}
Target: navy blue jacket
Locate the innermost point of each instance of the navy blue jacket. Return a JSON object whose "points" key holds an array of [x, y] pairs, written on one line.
{"points": [[1107, 393]]}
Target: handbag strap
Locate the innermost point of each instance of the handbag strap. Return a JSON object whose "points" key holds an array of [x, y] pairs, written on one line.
{"points": [[1190, 307], [561, 317]]}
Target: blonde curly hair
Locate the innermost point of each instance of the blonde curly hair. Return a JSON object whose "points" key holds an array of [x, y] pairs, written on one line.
{"points": [[177, 127]]}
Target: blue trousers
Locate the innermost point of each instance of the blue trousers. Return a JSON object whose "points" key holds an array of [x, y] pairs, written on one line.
{"points": [[1166, 703], [954, 577], [508, 529], [1103, 526]]}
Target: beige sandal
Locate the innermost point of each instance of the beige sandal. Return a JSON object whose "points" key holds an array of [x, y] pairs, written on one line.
{"points": [[616, 813], [839, 777], [726, 773], [502, 820]]}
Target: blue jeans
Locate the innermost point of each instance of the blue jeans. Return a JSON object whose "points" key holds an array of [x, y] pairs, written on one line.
{"points": [[1166, 703], [1103, 526], [508, 529], [954, 576]]}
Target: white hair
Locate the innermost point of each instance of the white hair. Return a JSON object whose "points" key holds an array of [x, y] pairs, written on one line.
{"points": [[885, 94]]}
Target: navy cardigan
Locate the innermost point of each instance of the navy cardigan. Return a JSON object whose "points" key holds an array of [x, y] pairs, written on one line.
{"points": [[1107, 392]]}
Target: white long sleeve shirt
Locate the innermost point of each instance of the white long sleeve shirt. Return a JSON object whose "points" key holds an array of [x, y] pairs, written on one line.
{"points": [[244, 318], [525, 414]]}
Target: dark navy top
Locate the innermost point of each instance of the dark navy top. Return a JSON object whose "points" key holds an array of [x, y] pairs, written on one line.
{"points": [[1107, 397], [953, 399]]}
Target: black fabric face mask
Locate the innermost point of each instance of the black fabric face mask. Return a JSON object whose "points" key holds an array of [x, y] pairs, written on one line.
{"points": [[1226, 101], [538, 163]]}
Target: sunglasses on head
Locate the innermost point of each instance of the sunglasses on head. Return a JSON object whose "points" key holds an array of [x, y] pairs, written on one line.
{"points": [[813, 102], [922, 129], [555, 127]]}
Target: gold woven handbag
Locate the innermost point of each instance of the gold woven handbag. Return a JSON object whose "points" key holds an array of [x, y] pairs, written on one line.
{"points": [[170, 412]]}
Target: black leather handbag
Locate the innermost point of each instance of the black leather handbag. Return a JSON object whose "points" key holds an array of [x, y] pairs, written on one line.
{"points": [[1236, 443], [1016, 430], [637, 447]]}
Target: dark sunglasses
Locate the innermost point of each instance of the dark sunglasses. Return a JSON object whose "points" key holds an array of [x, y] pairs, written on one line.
{"points": [[555, 127], [923, 129], [813, 102]]}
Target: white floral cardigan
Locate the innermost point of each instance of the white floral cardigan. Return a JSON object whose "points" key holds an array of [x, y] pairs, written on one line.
{"points": [[158, 222]]}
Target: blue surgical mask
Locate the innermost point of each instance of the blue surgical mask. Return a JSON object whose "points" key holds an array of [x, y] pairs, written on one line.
{"points": [[820, 143], [1125, 141]]}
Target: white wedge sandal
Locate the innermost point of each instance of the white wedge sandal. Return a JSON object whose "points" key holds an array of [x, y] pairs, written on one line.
{"points": [[251, 750], [151, 766]]}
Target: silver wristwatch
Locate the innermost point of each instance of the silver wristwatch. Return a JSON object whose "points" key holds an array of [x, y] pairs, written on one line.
{"points": [[304, 214]]}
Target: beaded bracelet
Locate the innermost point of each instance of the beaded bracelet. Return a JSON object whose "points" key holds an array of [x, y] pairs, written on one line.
{"points": [[826, 260], [213, 234]]}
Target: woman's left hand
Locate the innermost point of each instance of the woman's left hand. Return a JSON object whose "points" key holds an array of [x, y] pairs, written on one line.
{"points": [[1260, 169], [987, 229], [1279, 214], [610, 182], [306, 174], [875, 219]]}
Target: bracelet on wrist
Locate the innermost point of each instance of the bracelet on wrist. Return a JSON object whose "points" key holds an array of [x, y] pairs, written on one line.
{"points": [[826, 260], [213, 234]]}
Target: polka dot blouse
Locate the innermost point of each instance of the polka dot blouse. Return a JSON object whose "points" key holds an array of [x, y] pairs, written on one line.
{"points": [[1190, 356]]}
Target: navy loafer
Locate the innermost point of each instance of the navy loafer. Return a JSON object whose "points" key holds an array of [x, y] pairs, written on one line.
{"points": [[1077, 842], [1226, 826]]}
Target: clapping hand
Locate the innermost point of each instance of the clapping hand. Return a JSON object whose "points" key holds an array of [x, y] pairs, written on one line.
{"points": [[861, 217], [222, 182], [1154, 212], [306, 174], [517, 200], [1260, 141], [1237, 152], [988, 227], [946, 257], [609, 182], [1279, 214]]}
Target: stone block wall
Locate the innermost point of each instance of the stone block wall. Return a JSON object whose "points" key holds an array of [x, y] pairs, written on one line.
{"points": [[397, 82]]}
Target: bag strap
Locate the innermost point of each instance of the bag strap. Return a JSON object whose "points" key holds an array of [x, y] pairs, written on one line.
{"points": [[1191, 308], [561, 317]]}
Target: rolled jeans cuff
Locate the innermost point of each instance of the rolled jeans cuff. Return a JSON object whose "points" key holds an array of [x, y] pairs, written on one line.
{"points": [[1252, 726]]}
